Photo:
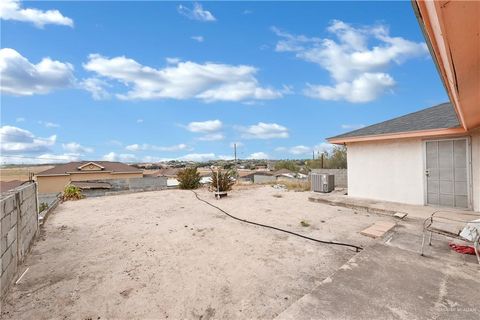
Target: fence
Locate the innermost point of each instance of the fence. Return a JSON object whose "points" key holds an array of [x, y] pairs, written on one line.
{"points": [[19, 226], [128, 185]]}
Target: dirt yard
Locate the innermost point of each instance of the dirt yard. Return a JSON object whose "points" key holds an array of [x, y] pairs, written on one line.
{"points": [[165, 254]]}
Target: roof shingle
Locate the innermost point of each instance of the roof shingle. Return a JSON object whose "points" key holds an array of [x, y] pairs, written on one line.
{"points": [[442, 116], [73, 167]]}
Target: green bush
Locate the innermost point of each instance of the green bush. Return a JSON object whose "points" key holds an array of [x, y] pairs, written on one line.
{"points": [[286, 164], [223, 181], [43, 206], [189, 178], [72, 193]]}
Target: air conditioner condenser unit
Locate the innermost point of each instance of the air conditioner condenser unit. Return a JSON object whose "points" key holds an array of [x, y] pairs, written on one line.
{"points": [[322, 182]]}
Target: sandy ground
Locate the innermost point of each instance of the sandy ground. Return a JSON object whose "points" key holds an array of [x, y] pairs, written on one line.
{"points": [[164, 254]]}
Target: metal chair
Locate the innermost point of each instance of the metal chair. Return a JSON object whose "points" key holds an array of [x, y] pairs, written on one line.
{"points": [[435, 218]]}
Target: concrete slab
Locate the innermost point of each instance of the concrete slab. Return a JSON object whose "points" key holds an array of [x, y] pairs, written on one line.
{"points": [[384, 207], [378, 229], [385, 282]]}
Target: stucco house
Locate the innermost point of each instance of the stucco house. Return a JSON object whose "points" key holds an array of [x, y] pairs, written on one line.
{"points": [[55, 179], [430, 157], [420, 158]]}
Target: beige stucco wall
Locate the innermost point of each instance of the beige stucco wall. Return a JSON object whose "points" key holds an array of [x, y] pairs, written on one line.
{"points": [[386, 170], [394, 170], [50, 184]]}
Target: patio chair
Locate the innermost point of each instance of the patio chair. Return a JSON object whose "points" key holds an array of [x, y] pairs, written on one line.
{"points": [[451, 227]]}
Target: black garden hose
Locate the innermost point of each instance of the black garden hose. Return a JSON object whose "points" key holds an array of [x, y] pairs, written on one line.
{"points": [[357, 248]]}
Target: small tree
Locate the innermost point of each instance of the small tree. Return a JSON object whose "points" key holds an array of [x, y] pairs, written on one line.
{"points": [[338, 158], [72, 193], [189, 178], [286, 164], [222, 181]]}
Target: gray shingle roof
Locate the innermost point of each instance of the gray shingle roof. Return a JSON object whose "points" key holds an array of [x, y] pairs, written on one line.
{"points": [[442, 116]]}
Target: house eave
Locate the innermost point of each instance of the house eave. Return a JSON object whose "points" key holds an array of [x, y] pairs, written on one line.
{"points": [[400, 135]]}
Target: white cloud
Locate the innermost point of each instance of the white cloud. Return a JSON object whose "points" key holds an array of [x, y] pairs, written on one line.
{"points": [[303, 150], [211, 129], [43, 158], [97, 87], [20, 77], [198, 157], [48, 124], [258, 156], [205, 126], [183, 80], [74, 147], [198, 38], [225, 157], [212, 137], [352, 126], [123, 157], [238, 143], [298, 150], [323, 147], [20, 119], [173, 60], [264, 131], [139, 120], [19, 141], [367, 87], [12, 10], [149, 147], [196, 13], [358, 71]]}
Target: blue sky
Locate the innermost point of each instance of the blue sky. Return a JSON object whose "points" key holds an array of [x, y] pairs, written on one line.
{"points": [[147, 81]]}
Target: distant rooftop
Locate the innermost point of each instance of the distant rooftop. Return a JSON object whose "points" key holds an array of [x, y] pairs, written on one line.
{"points": [[73, 167], [442, 116]]}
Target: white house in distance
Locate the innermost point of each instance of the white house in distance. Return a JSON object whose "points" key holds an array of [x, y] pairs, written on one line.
{"points": [[429, 157]]}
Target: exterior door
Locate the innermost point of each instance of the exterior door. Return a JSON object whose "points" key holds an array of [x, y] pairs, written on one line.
{"points": [[447, 173]]}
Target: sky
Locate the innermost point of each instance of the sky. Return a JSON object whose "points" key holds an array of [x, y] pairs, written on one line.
{"points": [[153, 81]]}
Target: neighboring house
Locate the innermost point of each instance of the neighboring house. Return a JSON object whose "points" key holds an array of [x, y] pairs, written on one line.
{"points": [[287, 174], [430, 157], [258, 177], [55, 179]]}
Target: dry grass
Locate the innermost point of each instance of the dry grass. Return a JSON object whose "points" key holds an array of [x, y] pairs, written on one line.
{"points": [[296, 185], [20, 173]]}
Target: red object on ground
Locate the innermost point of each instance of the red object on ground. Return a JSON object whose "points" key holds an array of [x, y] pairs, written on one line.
{"points": [[462, 249]]}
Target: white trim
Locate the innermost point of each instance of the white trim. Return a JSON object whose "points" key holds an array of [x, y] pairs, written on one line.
{"points": [[469, 168], [88, 172], [89, 163], [52, 175], [117, 172]]}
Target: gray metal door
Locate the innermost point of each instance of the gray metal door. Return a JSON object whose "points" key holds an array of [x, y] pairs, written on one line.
{"points": [[447, 173]]}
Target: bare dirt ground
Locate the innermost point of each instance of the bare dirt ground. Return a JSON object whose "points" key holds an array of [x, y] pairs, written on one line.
{"points": [[165, 254]]}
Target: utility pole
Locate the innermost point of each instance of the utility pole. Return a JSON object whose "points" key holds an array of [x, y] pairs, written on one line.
{"points": [[313, 155], [235, 153]]}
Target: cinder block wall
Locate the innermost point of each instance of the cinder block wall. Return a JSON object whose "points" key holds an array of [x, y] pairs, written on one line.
{"points": [[133, 185], [19, 225], [341, 179]]}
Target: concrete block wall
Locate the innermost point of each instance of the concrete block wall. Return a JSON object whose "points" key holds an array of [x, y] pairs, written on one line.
{"points": [[341, 177], [129, 185], [18, 228]]}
